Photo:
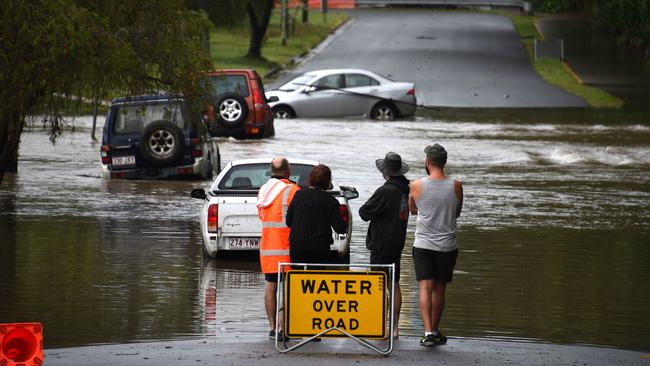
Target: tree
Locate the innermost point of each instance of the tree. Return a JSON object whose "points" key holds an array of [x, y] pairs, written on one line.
{"points": [[628, 20], [259, 15], [226, 13], [51, 49], [305, 11], [222, 13], [560, 6]]}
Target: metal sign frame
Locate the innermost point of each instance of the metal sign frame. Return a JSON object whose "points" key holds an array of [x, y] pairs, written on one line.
{"points": [[279, 308]]}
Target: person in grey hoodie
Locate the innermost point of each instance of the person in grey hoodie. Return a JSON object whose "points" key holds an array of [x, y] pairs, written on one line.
{"points": [[388, 213]]}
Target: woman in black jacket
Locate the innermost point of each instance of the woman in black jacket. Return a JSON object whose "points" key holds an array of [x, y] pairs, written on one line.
{"points": [[312, 215]]}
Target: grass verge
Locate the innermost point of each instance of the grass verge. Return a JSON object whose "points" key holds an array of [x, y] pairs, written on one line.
{"points": [[229, 46], [558, 73]]}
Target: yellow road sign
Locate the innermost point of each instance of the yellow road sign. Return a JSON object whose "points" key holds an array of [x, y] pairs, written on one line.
{"points": [[317, 300]]}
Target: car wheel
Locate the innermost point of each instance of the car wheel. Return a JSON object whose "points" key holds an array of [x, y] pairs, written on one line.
{"points": [[210, 170], [232, 109], [383, 111], [162, 143], [218, 170], [208, 255], [283, 112]]}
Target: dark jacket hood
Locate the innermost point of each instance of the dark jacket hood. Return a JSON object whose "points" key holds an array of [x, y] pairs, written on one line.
{"points": [[401, 182]]}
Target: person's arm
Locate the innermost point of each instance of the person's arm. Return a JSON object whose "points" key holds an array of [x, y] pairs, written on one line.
{"points": [[458, 188], [336, 220], [372, 207], [416, 188]]}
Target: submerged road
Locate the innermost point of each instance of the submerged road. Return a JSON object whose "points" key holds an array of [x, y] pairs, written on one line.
{"points": [[455, 59]]}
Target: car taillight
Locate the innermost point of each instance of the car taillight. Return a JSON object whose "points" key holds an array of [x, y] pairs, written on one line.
{"points": [[105, 158], [257, 97], [197, 148], [411, 92], [213, 218], [345, 213]]}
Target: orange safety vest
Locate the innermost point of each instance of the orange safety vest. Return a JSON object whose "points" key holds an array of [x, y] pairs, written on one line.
{"points": [[274, 245]]}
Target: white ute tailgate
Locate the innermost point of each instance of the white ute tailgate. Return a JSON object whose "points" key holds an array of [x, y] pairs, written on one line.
{"points": [[240, 225]]}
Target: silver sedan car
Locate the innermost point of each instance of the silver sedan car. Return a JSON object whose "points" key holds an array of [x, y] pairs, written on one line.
{"points": [[343, 93]]}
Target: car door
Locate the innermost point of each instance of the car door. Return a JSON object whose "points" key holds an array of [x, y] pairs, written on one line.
{"points": [[323, 98], [361, 94]]}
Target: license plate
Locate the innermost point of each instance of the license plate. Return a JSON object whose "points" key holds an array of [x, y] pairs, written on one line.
{"points": [[123, 160], [243, 243]]}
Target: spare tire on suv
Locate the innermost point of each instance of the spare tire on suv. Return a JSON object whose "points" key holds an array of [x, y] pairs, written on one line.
{"points": [[162, 143], [231, 109]]}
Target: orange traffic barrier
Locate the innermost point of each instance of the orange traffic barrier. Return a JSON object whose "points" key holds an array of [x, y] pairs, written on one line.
{"points": [[21, 344]]}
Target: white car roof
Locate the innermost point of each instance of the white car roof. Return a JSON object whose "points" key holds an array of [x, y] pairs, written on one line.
{"points": [[213, 186], [268, 161]]}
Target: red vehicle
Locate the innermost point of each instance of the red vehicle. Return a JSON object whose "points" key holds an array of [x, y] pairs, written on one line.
{"points": [[240, 107]]}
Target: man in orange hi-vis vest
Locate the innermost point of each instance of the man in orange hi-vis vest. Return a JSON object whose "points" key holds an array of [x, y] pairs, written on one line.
{"points": [[273, 200]]}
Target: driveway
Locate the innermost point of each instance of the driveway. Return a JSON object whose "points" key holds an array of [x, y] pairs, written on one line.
{"points": [[456, 59]]}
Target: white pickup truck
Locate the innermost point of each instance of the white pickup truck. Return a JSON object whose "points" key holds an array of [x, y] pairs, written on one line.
{"points": [[229, 219]]}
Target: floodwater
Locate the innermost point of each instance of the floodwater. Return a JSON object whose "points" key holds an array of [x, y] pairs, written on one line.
{"points": [[553, 237]]}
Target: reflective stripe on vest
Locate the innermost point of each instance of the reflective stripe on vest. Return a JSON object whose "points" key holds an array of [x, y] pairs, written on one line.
{"points": [[285, 207], [274, 225], [274, 252]]}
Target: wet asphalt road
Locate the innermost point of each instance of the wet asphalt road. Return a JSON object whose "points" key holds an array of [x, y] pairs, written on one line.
{"points": [[456, 59], [406, 351]]}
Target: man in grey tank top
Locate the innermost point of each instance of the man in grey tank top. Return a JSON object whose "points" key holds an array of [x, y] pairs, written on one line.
{"points": [[437, 201]]}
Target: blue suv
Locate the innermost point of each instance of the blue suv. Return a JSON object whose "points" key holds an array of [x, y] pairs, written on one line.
{"points": [[156, 137]]}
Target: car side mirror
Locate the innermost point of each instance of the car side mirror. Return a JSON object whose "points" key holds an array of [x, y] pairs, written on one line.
{"points": [[273, 99], [349, 193], [198, 193], [310, 89]]}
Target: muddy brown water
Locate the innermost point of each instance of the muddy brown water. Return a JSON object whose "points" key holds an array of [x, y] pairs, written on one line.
{"points": [[553, 237]]}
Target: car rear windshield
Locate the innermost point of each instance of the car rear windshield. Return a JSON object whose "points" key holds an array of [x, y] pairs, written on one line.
{"points": [[133, 118], [253, 176], [237, 84]]}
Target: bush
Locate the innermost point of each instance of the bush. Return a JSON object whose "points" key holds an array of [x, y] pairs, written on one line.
{"points": [[562, 6], [629, 20]]}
